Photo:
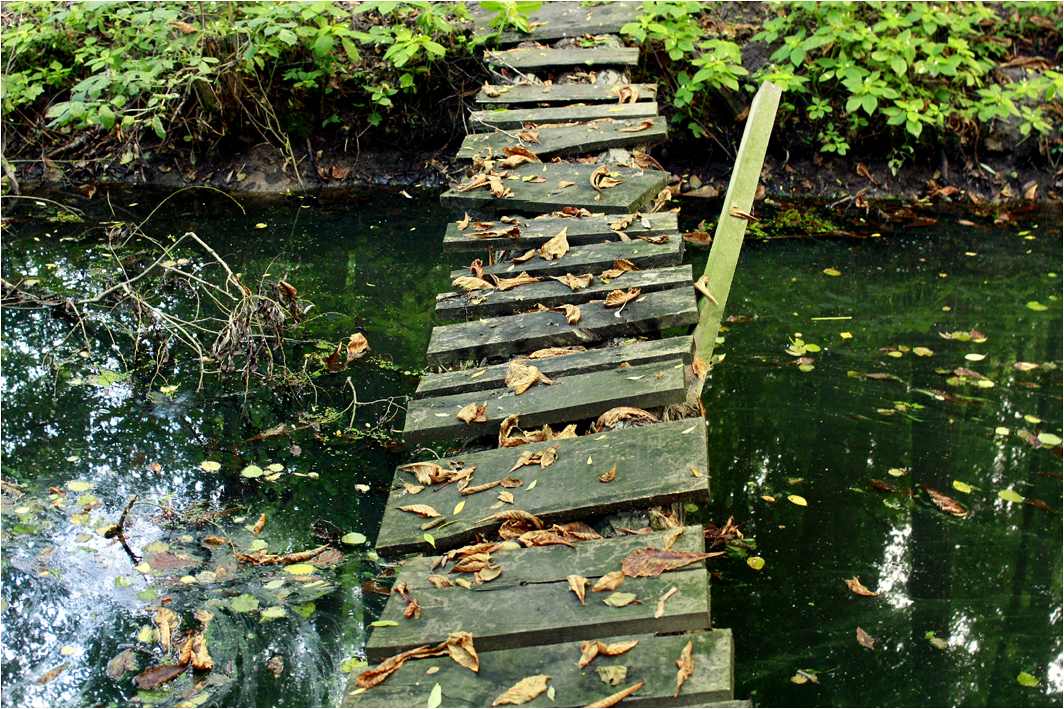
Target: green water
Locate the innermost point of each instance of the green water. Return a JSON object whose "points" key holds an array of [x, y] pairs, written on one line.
{"points": [[988, 586]]}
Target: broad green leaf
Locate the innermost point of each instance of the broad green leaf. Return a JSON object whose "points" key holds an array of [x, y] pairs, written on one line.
{"points": [[257, 544], [1002, 431], [275, 584], [353, 538], [252, 471], [430, 539], [1036, 306], [148, 594], [1010, 495], [351, 664], [619, 600], [306, 609], [1027, 680], [244, 603], [124, 581], [1049, 439], [275, 468]]}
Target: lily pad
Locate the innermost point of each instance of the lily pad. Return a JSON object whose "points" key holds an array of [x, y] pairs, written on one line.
{"points": [[211, 466], [963, 487], [306, 609], [353, 538], [275, 468], [275, 584], [1027, 680], [1049, 439], [244, 603]]}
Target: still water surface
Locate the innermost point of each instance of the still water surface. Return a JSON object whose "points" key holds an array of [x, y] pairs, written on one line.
{"points": [[987, 587]]}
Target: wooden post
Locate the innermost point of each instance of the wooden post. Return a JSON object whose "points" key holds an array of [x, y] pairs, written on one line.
{"points": [[728, 239]]}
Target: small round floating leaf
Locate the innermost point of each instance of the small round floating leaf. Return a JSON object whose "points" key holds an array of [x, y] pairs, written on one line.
{"points": [[275, 468], [1030, 418], [148, 594], [272, 613], [275, 584], [963, 487], [798, 500], [845, 335], [896, 472], [142, 568], [806, 367], [1027, 680], [353, 538], [260, 225], [257, 544], [974, 357], [1002, 431], [1036, 306], [244, 603], [831, 272], [810, 347], [756, 563], [895, 353], [1010, 495], [1049, 439], [188, 579], [300, 569], [252, 471], [306, 609], [922, 352], [211, 466]]}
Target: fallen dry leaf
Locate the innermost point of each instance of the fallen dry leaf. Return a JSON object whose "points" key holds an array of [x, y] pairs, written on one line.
{"points": [[575, 283], [524, 691], [356, 346], [615, 699], [619, 297], [473, 413], [672, 536], [609, 582], [523, 279], [635, 129], [608, 476], [470, 283], [623, 413], [151, 678], [563, 184], [661, 602], [557, 247], [577, 584], [865, 639], [620, 600], [464, 223], [426, 473], [412, 488], [53, 673], [601, 178], [651, 561], [532, 136], [506, 497], [474, 489], [257, 529], [122, 663], [686, 663], [515, 516], [698, 366], [167, 622], [946, 504], [420, 510], [628, 94], [440, 581], [461, 650], [572, 314], [520, 377], [856, 586], [543, 538], [524, 257]]}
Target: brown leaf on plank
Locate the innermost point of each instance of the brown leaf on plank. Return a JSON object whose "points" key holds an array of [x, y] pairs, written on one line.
{"points": [[623, 222], [619, 297], [608, 476], [699, 368], [578, 585], [477, 268], [575, 283], [488, 573], [601, 178], [635, 129], [865, 639], [543, 538], [461, 650], [509, 231], [609, 582], [520, 377], [510, 151], [686, 663], [651, 561], [420, 510], [462, 225], [413, 489], [564, 183], [944, 503], [589, 650], [515, 160], [474, 489], [572, 314], [532, 136], [628, 94], [257, 529], [556, 247], [471, 564], [506, 497], [661, 602], [519, 516], [672, 536], [469, 283], [556, 351], [504, 284], [371, 678], [659, 239], [473, 413], [524, 257], [856, 586], [615, 699], [612, 674], [524, 691], [152, 678], [624, 413], [620, 600], [548, 456], [426, 473], [440, 581]]}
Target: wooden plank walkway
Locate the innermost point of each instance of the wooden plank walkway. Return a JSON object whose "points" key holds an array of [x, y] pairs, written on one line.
{"points": [[517, 525]]}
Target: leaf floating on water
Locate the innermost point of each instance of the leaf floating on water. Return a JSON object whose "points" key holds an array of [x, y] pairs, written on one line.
{"points": [[609, 582], [152, 678], [1027, 680], [1010, 495], [620, 600], [651, 561], [756, 563], [252, 471], [577, 584], [946, 504], [356, 346], [831, 272], [1036, 306], [855, 585], [524, 691], [865, 639], [211, 466], [52, 673], [798, 500], [122, 663], [962, 487], [471, 413], [353, 538], [1049, 439], [922, 352], [615, 699]]}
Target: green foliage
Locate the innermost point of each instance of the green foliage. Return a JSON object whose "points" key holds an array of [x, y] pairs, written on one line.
{"points": [[511, 15]]}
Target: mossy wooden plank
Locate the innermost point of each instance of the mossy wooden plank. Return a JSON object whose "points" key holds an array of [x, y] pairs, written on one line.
{"points": [[562, 93], [533, 331], [570, 398], [559, 141], [549, 564], [651, 661], [535, 58], [638, 189], [634, 352], [593, 258], [514, 119], [560, 20], [578, 231], [654, 467], [552, 294]]}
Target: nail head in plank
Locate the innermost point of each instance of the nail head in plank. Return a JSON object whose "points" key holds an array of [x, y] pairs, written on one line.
{"points": [[514, 119], [579, 231], [571, 398], [640, 188], [653, 468], [563, 93], [559, 141], [535, 58], [560, 20], [593, 258], [635, 352], [552, 294], [651, 661], [534, 331]]}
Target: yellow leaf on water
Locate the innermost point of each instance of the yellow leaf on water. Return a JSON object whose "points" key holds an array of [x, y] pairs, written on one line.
{"points": [[831, 272], [798, 500], [963, 487], [260, 225]]}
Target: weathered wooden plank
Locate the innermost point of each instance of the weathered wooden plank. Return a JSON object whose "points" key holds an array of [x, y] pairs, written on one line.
{"points": [[639, 188], [562, 93], [570, 398], [651, 661], [558, 141], [550, 293], [559, 20], [535, 58], [593, 258], [549, 611], [511, 119], [634, 352], [653, 468], [579, 231], [533, 331]]}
